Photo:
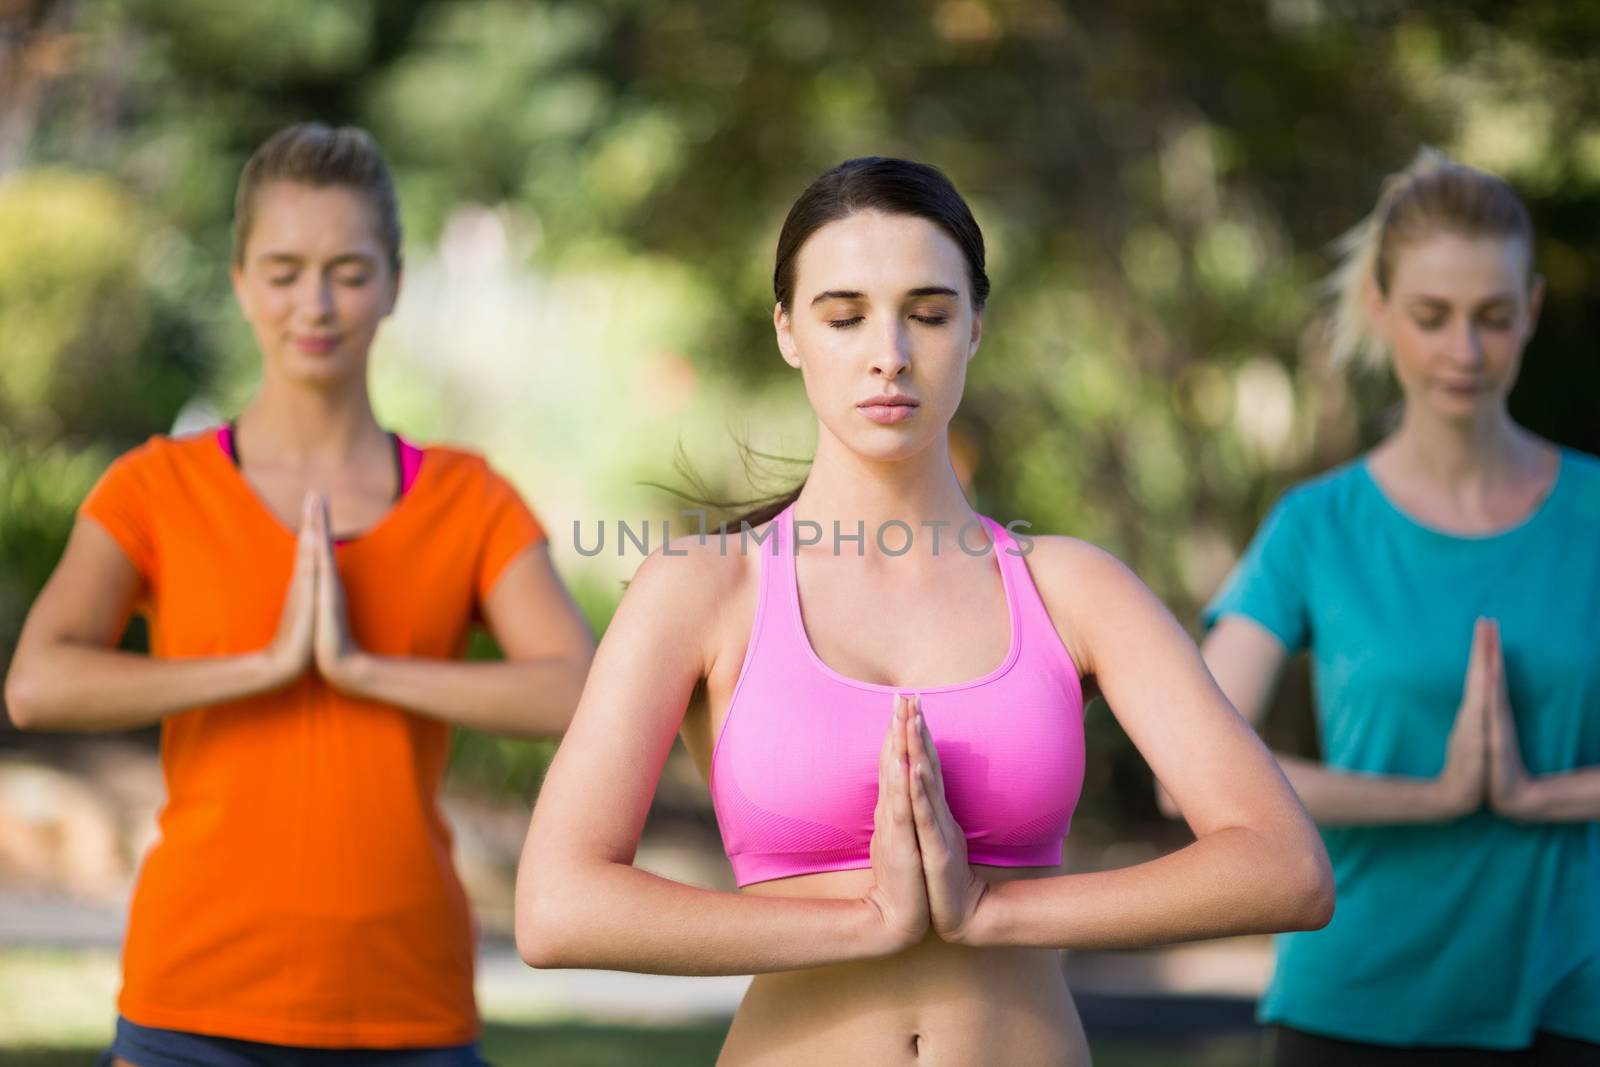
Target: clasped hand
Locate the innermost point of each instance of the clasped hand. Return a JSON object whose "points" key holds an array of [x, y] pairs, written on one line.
{"points": [[1483, 761], [921, 877], [314, 629]]}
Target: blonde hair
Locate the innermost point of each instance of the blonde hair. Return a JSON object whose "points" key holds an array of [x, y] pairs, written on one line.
{"points": [[1433, 195], [311, 153]]}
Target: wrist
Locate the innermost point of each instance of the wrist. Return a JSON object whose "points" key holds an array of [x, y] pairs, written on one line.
{"points": [[877, 932], [1520, 801], [268, 670], [1447, 799], [352, 673], [981, 927]]}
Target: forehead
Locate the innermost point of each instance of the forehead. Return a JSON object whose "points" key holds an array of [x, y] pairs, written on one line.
{"points": [[1460, 266], [291, 218], [868, 251]]}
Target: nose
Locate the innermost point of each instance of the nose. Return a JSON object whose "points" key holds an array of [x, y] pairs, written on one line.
{"points": [[314, 298], [1466, 346], [892, 352]]}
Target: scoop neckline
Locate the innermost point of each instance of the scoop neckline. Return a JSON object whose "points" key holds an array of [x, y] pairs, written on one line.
{"points": [[1014, 649], [1521, 525], [236, 475]]}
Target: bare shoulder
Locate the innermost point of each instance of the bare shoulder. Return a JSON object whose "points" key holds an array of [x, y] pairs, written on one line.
{"points": [[701, 586], [699, 569], [1067, 567], [1080, 584]]}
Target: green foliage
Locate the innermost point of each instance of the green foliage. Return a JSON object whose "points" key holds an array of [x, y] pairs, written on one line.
{"points": [[70, 305], [40, 488], [1158, 185]]}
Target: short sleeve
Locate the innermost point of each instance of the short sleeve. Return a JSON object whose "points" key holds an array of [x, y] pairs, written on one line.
{"points": [[120, 504], [1269, 583], [509, 528]]}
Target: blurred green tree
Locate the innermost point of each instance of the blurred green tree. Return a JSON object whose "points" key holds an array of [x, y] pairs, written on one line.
{"points": [[1159, 184]]}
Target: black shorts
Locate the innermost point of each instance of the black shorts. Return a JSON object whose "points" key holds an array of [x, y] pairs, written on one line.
{"points": [[1297, 1048], [149, 1046]]}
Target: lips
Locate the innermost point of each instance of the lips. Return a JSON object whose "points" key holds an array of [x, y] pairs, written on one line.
{"points": [[316, 346], [888, 408]]}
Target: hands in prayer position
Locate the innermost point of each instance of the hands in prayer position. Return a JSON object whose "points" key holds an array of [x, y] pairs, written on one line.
{"points": [[921, 876], [314, 629], [1483, 763]]}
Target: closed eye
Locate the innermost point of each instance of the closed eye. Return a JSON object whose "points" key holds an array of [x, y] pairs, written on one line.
{"points": [[844, 324]]}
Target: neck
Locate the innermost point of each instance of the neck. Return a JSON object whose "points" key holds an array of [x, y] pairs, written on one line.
{"points": [[846, 487], [1465, 453], [300, 424]]}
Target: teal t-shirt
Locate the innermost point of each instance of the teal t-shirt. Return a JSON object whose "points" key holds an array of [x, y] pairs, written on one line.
{"points": [[1480, 931]]}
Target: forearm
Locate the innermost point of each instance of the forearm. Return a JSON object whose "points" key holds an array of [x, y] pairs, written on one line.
{"points": [[1230, 882], [1335, 797], [74, 687], [518, 698], [1573, 796], [617, 917]]}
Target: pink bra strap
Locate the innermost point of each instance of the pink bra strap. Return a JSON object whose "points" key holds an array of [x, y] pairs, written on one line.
{"points": [[410, 463]]}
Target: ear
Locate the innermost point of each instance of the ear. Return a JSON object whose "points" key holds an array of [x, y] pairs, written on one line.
{"points": [[1535, 306], [784, 329], [394, 289], [236, 277], [977, 334]]}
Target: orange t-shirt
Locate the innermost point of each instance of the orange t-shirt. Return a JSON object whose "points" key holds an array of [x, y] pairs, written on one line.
{"points": [[301, 889]]}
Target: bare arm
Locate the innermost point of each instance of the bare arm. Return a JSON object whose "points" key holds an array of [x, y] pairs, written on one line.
{"points": [[1246, 658], [581, 903], [1573, 796], [65, 674], [531, 693], [1257, 864]]}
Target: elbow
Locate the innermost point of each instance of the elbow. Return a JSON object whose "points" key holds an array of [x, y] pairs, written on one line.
{"points": [[22, 700], [539, 943], [536, 946], [1319, 906], [544, 922], [1311, 901]]}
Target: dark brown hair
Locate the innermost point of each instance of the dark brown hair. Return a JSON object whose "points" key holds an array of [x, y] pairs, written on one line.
{"points": [[311, 153], [893, 187]]}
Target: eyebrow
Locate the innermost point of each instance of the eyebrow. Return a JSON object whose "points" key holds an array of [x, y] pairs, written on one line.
{"points": [[852, 294], [287, 259], [1439, 301]]}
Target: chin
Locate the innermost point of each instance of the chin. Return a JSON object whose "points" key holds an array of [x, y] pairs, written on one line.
{"points": [[887, 447], [1466, 409], [321, 371]]}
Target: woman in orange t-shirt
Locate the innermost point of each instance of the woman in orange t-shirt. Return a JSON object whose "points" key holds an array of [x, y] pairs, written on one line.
{"points": [[300, 903]]}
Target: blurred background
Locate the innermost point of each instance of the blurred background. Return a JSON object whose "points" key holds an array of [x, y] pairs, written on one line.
{"points": [[591, 194]]}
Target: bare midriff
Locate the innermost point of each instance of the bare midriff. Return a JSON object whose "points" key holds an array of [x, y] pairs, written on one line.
{"points": [[933, 1005]]}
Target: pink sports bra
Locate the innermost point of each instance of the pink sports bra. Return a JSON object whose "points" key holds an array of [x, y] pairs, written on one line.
{"points": [[794, 775]]}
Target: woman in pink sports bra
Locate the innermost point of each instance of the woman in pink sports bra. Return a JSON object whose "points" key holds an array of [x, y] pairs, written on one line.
{"points": [[892, 728]]}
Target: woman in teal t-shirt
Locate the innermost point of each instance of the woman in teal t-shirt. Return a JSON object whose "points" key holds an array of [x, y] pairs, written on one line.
{"points": [[1447, 587]]}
